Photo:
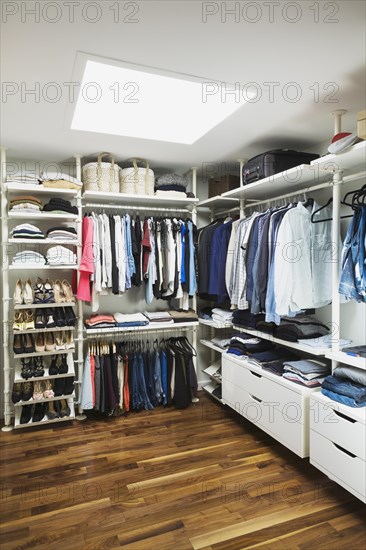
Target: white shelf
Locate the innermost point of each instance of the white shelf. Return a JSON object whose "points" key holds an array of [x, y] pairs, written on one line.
{"points": [[353, 159], [40, 216], [14, 267], [357, 413], [42, 241], [43, 353], [212, 369], [37, 330], [137, 200], [214, 324], [44, 422], [219, 203], [210, 345], [284, 182], [342, 357], [44, 400], [152, 326], [293, 345], [210, 387], [34, 188], [44, 306]]}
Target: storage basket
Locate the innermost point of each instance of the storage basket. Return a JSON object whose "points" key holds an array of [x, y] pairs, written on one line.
{"points": [[217, 186], [135, 180], [101, 176]]}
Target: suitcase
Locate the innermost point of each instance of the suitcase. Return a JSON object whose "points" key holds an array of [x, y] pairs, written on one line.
{"points": [[273, 162]]}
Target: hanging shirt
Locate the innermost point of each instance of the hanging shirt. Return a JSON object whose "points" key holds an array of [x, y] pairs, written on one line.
{"points": [[86, 268]]}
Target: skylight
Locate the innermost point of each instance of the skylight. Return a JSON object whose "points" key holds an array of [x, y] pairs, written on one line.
{"points": [[149, 104]]}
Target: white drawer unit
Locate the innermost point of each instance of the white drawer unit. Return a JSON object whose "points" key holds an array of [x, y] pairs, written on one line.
{"points": [[276, 405], [338, 443]]}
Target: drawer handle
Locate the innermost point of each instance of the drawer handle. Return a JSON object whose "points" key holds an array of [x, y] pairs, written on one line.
{"points": [[256, 398], [345, 417], [344, 450], [255, 374]]}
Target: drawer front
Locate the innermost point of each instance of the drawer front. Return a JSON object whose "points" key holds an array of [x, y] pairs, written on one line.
{"points": [[290, 433], [327, 420], [289, 402], [350, 470]]}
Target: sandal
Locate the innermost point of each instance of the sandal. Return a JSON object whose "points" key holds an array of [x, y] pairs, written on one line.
{"points": [[39, 291], [28, 320], [58, 290], [48, 392], [49, 296], [18, 321], [38, 367], [37, 391], [27, 369], [66, 287]]}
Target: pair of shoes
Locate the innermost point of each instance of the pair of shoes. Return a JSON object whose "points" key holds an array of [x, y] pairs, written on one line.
{"points": [[23, 343], [63, 292], [38, 391], [23, 294], [64, 386], [43, 292], [24, 320], [32, 368], [58, 365], [22, 391], [45, 341], [58, 409]]}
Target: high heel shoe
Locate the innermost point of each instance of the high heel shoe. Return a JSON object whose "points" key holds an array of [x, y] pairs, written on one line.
{"points": [[50, 411], [50, 322], [59, 387], [38, 367], [27, 370], [18, 293], [69, 385], [27, 391], [28, 292], [65, 409], [28, 343], [16, 394], [26, 414], [63, 368], [40, 343], [60, 342], [58, 290], [60, 317], [18, 321], [18, 344], [66, 287], [39, 412], [53, 368], [38, 294], [40, 319], [70, 316], [48, 391], [49, 296], [70, 344], [49, 341], [28, 320], [56, 408], [37, 391]]}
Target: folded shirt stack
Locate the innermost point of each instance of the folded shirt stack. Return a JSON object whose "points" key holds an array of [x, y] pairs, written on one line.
{"points": [[171, 185], [100, 321], [60, 181], [60, 255], [158, 317], [292, 329], [344, 390], [25, 203], [244, 345], [243, 318], [323, 342], [205, 313], [23, 177], [27, 231], [222, 315], [222, 343], [130, 319], [62, 233], [307, 372], [275, 356], [183, 316], [29, 257], [60, 206]]}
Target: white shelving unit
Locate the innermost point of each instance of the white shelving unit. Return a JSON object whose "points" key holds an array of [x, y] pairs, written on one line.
{"points": [[11, 361], [345, 359], [143, 201], [152, 327]]}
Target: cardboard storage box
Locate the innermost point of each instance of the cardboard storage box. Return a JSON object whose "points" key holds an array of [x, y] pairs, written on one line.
{"points": [[217, 186]]}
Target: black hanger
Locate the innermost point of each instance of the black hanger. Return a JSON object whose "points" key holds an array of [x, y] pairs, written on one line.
{"points": [[328, 219]]}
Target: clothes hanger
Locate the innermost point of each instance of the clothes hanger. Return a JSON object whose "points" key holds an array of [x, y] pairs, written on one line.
{"points": [[329, 219]]}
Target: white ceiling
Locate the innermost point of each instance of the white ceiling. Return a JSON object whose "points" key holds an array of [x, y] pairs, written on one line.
{"points": [[171, 35]]}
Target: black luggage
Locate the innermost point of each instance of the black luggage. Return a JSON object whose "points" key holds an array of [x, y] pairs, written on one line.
{"points": [[273, 162]]}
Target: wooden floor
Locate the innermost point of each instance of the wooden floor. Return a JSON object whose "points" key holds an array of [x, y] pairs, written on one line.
{"points": [[201, 478]]}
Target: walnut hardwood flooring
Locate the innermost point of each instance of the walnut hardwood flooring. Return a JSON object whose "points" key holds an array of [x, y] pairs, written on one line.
{"points": [[201, 478]]}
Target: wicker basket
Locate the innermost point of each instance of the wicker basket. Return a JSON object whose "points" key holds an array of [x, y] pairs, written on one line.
{"points": [[137, 181], [101, 176]]}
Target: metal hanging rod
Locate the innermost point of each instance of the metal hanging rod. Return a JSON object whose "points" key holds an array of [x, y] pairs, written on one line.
{"points": [[124, 207], [135, 333]]}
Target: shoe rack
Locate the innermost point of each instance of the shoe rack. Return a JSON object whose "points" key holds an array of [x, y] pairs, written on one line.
{"points": [[58, 408]]}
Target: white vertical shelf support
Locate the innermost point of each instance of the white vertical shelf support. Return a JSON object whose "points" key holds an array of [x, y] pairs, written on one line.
{"points": [[5, 295], [241, 201], [336, 303], [194, 299], [80, 353]]}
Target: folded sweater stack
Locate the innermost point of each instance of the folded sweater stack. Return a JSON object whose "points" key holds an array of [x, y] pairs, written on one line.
{"points": [[27, 231], [29, 257], [62, 233], [171, 185], [25, 203], [60, 206], [158, 317], [130, 319], [60, 181], [60, 255]]}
